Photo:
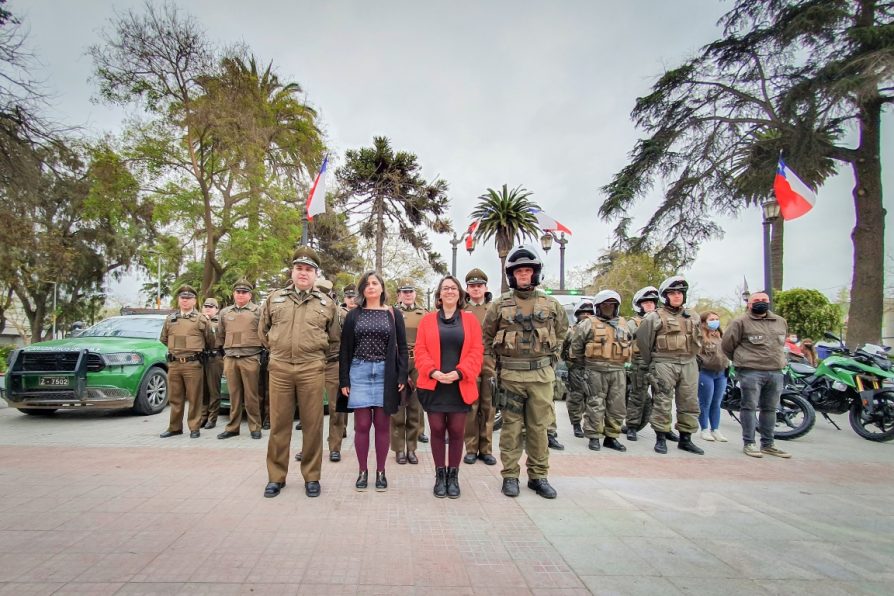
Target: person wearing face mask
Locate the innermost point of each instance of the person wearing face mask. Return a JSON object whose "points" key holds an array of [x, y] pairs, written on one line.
{"points": [[712, 365], [755, 342]]}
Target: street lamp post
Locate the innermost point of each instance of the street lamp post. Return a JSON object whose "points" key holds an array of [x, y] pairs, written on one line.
{"points": [[546, 242], [455, 241], [771, 213]]}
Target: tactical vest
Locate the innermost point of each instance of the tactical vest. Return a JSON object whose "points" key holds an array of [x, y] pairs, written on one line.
{"points": [[678, 334], [186, 334], [526, 336], [607, 343], [242, 327]]}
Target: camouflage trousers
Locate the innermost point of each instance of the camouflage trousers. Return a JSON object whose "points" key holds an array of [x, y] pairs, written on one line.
{"points": [[577, 377], [674, 382], [605, 409], [639, 402], [526, 416]]}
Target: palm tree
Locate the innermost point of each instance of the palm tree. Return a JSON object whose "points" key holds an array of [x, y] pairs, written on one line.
{"points": [[506, 216]]}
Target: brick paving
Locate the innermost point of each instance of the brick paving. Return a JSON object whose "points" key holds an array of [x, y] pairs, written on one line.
{"points": [[94, 503]]}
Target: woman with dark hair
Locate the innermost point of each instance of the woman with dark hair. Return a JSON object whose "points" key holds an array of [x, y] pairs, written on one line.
{"points": [[449, 354], [372, 372], [712, 365], [809, 351]]}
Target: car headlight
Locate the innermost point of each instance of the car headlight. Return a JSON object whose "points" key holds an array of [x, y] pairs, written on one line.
{"points": [[123, 358]]}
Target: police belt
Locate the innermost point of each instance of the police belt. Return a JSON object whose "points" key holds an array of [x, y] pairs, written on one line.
{"points": [[183, 359], [243, 355], [524, 364]]}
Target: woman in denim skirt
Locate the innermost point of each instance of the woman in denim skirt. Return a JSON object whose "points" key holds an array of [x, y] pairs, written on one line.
{"points": [[372, 372]]}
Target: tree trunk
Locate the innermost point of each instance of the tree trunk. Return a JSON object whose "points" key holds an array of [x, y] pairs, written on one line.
{"points": [[503, 248], [864, 319], [380, 234], [776, 251]]}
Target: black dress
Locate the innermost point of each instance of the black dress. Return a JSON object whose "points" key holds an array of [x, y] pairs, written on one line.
{"points": [[446, 397]]}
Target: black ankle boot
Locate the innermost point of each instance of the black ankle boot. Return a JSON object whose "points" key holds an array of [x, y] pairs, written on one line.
{"points": [[362, 481], [578, 431], [671, 436], [440, 489], [631, 434], [453, 483], [660, 443], [686, 444], [381, 482]]}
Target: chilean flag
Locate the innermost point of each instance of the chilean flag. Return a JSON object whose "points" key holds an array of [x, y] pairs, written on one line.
{"points": [[547, 223], [794, 197], [470, 234], [316, 200]]}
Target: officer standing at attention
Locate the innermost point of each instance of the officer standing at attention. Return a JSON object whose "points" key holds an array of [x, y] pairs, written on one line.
{"points": [[479, 433], [298, 325], [605, 345], [338, 421], [187, 333], [524, 329], [669, 340], [242, 362], [213, 368], [639, 404], [407, 423], [577, 372]]}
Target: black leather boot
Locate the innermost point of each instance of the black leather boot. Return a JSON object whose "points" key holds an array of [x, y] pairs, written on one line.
{"points": [[440, 489], [660, 443], [671, 436], [631, 434], [453, 483], [594, 444], [553, 443], [578, 431], [686, 444], [613, 443]]}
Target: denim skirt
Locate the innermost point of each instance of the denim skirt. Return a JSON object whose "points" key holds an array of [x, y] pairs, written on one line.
{"points": [[367, 384]]}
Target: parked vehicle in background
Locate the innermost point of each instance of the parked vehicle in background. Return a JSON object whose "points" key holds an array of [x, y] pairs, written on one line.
{"points": [[117, 363]]}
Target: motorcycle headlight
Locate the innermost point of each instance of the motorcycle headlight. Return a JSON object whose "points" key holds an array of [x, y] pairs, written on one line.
{"points": [[123, 359], [839, 386]]}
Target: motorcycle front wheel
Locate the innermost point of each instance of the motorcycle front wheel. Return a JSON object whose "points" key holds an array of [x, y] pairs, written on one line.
{"points": [[794, 418], [879, 425]]}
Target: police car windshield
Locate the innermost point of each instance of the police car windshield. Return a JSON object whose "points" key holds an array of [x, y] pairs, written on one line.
{"points": [[135, 327]]}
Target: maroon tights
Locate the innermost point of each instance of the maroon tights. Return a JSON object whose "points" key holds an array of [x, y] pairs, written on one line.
{"points": [[454, 425], [364, 418]]}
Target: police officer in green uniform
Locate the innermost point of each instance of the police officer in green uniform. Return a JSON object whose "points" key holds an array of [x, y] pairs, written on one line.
{"points": [[187, 333], [669, 340], [213, 367], [238, 331], [639, 402], [605, 345], [480, 419], [524, 330], [298, 326], [407, 423], [577, 372], [350, 294]]}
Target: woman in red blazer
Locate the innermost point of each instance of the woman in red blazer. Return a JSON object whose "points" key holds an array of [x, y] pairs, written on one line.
{"points": [[449, 353]]}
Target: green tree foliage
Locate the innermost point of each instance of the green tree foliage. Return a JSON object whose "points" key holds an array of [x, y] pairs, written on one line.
{"points": [[808, 312], [383, 189], [793, 76], [506, 217], [625, 273]]}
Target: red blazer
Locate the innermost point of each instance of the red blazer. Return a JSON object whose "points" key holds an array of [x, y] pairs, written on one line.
{"points": [[428, 354]]}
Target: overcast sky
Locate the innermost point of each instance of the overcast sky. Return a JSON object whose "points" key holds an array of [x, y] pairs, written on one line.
{"points": [[484, 93]]}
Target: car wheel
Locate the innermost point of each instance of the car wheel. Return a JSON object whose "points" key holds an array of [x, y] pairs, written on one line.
{"points": [[37, 411], [153, 394]]}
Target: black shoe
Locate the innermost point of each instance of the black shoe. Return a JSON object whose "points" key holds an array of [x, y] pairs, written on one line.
{"points": [[440, 489], [265, 425], [631, 434], [671, 436], [510, 487], [298, 426], [613, 443], [594, 444], [553, 443], [335, 456], [210, 424], [195, 434], [170, 433], [227, 434], [453, 483], [298, 456], [488, 459], [411, 457], [423, 438], [312, 488], [362, 481], [686, 444], [401, 457], [578, 431], [542, 487], [624, 429], [203, 422], [381, 482], [273, 488], [470, 458], [255, 434], [660, 443]]}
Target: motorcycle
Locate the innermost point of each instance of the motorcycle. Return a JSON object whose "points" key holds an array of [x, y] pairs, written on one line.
{"points": [[853, 383], [795, 416]]}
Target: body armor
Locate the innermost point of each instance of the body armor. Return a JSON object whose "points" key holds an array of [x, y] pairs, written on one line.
{"points": [[526, 335], [241, 326], [607, 342], [678, 335]]}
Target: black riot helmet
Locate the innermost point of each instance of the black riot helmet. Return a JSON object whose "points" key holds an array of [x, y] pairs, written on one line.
{"points": [[524, 255]]}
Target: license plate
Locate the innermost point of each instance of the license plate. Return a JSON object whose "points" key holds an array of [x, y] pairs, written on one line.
{"points": [[53, 382]]}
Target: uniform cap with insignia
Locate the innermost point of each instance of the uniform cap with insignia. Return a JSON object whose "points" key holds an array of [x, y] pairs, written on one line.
{"points": [[350, 291], [324, 285], [406, 285], [476, 276], [211, 302], [186, 291], [243, 284], [305, 255]]}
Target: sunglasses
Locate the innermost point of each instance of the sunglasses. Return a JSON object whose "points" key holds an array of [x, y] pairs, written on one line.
{"points": [[208, 306]]}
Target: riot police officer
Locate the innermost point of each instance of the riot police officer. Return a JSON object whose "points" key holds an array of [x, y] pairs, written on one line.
{"points": [[407, 423], [576, 371]]}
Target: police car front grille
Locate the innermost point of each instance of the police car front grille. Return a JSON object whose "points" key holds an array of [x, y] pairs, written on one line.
{"points": [[59, 362]]}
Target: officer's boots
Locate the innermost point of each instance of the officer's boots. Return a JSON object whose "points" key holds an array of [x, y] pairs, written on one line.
{"points": [[613, 443], [686, 444], [594, 444], [631, 434], [660, 442], [671, 436], [553, 442], [578, 431]]}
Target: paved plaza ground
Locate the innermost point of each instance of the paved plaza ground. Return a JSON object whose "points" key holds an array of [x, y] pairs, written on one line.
{"points": [[94, 503]]}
